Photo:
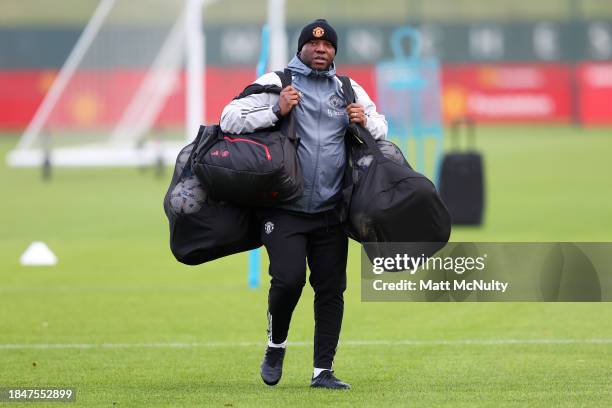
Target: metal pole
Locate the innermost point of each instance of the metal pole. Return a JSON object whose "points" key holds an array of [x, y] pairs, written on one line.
{"points": [[195, 67], [278, 35]]}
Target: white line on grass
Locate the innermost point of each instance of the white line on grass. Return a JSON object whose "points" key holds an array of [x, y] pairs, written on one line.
{"points": [[356, 343]]}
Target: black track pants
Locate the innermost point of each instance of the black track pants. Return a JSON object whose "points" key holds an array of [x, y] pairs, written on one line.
{"points": [[291, 239]]}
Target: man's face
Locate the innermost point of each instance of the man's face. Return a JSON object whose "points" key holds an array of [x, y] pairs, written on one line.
{"points": [[318, 54]]}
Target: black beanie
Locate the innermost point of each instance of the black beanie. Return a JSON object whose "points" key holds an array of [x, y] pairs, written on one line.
{"points": [[318, 30]]}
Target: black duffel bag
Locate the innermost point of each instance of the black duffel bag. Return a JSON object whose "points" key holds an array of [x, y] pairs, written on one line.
{"points": [[203, 229], [385, 200], [390, 203], [257, 169]]}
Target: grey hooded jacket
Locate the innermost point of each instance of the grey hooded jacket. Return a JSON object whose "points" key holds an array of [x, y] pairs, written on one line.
{"points": [[320, 119]]}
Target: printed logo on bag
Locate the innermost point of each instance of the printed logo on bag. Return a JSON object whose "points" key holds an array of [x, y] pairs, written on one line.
{"points": [[268, 227], [222, 153], [318, 32]]}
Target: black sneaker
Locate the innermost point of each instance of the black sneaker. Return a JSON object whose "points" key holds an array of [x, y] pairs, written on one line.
{"points": [[326, 379], [272, 365]]}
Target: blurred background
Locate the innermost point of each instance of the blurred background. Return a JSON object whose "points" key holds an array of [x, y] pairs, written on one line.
{"points": [[502, 61], [531, 80]]}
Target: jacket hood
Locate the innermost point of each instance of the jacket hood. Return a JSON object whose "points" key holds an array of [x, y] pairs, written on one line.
{"points": [[296, 65]]}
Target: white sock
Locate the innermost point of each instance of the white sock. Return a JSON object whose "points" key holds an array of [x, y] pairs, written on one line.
{"points": [[279, 345], [318, 371]]}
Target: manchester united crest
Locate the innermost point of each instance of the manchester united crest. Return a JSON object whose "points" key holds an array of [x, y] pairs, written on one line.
{"points": [[318, 32], [336, 102]]}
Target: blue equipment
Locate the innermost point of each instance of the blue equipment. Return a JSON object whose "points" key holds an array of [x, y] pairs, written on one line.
{"points": [[254, 269], [409, 97]]}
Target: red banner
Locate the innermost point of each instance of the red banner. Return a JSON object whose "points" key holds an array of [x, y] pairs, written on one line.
{"points": [[20, 94], [488, 93], [507, 93], [595, 93], [100, 97]]}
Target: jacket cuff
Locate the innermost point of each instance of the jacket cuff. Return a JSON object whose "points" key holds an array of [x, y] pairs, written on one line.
{"points": [[273, 117], [276, 110]]}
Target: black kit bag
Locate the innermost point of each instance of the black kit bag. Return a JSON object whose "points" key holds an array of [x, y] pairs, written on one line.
{"points": [[202, 229], [257, 169], [462, 179], [389, 201]]}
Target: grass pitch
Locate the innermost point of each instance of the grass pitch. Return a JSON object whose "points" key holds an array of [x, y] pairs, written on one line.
{"points": [[126, 325]]}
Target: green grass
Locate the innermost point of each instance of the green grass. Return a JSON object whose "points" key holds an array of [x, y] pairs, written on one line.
{"points": [[118, 283], [78, 12]]}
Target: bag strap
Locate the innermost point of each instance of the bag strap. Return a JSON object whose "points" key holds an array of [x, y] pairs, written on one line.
{"points": [[255, 88], [286, 79], [347, 89], [354, 129], [196, 145], [200, 143], [364, 136], [196, 142]]}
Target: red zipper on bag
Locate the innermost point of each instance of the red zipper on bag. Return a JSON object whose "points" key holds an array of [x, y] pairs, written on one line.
{"points": [[238, 139]]}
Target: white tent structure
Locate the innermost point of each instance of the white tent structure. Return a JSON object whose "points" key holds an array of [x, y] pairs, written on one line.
{"points": [[132, 56]]}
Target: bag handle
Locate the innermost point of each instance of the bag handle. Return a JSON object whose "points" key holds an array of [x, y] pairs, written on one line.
{"points": [[354, 129], [291, 134], [255, 88], [470, 130], [286, 79], [364, 136], [196, 143], [347, 89], [199, 144]]}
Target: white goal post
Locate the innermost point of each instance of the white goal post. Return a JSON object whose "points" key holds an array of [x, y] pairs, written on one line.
{"points": [[116, 109]]}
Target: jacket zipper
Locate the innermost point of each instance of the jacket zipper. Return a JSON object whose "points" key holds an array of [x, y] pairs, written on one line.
{"points": [[314, 181], [238, 139]]}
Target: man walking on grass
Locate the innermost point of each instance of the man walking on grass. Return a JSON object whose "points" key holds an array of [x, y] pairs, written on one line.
{"points": [[307, 230]]}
